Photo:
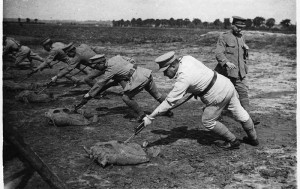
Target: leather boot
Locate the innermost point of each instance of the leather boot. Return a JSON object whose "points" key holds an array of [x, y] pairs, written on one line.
{"points": [[251, 138]]}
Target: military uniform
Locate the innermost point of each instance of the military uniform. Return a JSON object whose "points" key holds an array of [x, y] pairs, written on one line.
{"points": [[132, 78], [21, 52], [81, 60], [231, 48], [215, 90]]}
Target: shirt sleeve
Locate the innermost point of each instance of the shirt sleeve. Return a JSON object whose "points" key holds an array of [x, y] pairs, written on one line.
{"points": [[220, 51], [176, 94]]}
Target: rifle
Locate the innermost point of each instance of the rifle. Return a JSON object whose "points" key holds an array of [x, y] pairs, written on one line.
{"points": [[82, 103], [47, 86], [28, 76], [142, 126]]}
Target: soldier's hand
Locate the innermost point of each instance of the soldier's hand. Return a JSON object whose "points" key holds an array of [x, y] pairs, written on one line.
{"points": [[53, 79], [147, 120], [230, 65]]}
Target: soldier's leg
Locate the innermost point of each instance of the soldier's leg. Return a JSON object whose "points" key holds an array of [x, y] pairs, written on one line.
{"points": [[89, 79], [241, 115], [209, 121], [242, 89], [128, 99], [21, 55], [151, 88], [35, 56]]}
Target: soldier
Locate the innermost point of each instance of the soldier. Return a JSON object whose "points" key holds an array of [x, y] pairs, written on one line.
{"points": [[215, 90], [55, 54], [232, 55], [21, 52], [131, 77], [80, 56]]}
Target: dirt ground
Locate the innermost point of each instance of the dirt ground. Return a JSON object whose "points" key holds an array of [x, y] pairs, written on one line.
{"points": [[189, 157]]}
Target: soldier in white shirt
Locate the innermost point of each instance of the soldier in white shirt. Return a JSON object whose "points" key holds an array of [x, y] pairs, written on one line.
{"points": [[215, 90]]}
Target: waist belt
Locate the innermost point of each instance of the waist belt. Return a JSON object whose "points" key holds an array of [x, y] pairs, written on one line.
{"points": [[212, 82]]}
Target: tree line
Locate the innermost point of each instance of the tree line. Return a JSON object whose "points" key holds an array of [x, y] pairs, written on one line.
{"points": [[257, 22]]}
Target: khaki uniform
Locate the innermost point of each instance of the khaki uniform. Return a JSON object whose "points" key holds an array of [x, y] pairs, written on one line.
{"points": [[194, 77], [21, 52], [81, 60], [132, 78], [230, 48]]}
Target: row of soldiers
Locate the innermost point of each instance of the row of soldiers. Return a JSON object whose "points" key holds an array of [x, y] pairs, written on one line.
{"points": [[218, 91]]}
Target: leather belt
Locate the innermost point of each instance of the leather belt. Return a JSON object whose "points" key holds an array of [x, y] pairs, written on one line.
{"points": [[212, 82]]}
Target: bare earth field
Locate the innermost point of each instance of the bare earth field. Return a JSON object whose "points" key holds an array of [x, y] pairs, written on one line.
{"points": [[189, 157]]}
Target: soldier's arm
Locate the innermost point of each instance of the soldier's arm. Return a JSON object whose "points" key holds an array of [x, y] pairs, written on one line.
{"points": [[220, 51]]}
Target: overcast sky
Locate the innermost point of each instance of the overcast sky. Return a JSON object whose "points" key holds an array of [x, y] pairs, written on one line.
{"points": [[206, 10]]}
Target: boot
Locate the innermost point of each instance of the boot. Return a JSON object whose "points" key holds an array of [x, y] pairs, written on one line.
{"points": [[251, 138], [231, 141], [230, 145], [252, 142]]}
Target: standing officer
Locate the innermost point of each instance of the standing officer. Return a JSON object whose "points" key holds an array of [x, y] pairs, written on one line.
{"points": [[215, 90], [132, 78], [21, 52], [232, 55]]}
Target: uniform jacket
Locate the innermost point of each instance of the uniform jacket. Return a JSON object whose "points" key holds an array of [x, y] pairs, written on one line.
{"points": [[82, 57], [56, 53], [230, 48], [121, 68], [12, 46], [193, 77]]}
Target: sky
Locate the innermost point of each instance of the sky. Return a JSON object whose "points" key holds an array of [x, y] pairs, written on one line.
{"points": [[205, 10]]}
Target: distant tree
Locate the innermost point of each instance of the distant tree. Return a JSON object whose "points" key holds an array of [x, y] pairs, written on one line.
{"points": [[248, 23], [179, 22], [258, 21], [226, 23], [27, 20], [270, 22], [19, 20], [157, 22], [133, 22], [205, 24], [114, 23], [285, 23], [127, 23], [139, 22], [121, 23], [197, 22], [186, 22], [217, 23], [36, 20], [172, 22]]}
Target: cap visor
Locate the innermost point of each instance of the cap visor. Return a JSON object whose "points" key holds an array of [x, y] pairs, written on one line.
{"points": [[240, 26], [164, 68]]}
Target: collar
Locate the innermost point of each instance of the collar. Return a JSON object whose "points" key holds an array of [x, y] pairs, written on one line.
{"points": [[180, 62]]}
